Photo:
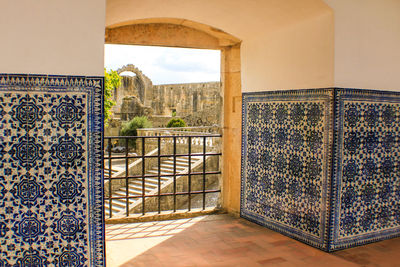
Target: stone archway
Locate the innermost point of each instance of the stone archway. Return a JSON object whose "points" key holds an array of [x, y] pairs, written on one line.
{"points": [[142, 82], [174, 32]]}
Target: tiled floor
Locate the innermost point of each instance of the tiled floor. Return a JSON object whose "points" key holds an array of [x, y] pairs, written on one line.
{"points": [[221, 240]]}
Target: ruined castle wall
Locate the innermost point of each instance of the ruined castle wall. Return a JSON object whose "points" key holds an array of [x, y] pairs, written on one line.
{"points": [[200, 103]]}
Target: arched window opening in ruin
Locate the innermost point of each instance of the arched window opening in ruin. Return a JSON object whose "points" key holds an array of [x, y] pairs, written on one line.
{"points": [[127, 73]]}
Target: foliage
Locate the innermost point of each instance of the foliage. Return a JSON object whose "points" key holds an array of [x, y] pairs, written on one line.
{"points": [[176, 122], [111, 82], [130, 128], [173, 113]]}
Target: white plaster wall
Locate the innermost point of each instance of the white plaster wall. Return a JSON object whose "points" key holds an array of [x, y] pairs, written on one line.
{"points": [[52, 36], [367, 43], [285, 44], [295, 56]]}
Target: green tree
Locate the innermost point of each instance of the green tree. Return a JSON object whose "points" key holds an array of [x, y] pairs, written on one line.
{"points": [[176, 122], [112, 81]]}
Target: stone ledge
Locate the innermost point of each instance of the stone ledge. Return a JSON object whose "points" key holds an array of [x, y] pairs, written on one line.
{"points": [[166, 215]]}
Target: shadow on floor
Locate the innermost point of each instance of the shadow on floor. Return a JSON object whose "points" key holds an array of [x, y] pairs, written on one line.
{"points": [[148, 229], [222, 240]]}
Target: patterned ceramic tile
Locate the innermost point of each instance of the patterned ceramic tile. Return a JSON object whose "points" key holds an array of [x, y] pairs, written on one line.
{"points": [[287, 172], [286, 163], [50, 171], [367, 167]]}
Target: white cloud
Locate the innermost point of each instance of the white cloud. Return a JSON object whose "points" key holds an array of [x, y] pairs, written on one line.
{"points": [[165, 65]]}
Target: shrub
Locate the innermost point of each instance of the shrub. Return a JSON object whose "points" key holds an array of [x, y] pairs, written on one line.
{"points": [[176, 122], [130, 129]]}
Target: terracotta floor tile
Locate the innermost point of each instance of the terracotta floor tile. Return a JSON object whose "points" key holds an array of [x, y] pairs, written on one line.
{"points": [[222, 240], [272, 261]]}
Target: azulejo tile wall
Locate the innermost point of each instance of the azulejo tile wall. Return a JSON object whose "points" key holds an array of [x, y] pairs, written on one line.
{"points": [[285, 160], [366, 195], [51, 189], [322, 165]]}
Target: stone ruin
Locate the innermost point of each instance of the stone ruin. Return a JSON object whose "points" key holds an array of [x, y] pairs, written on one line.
{"points": [[199, 104], [130, 96]]}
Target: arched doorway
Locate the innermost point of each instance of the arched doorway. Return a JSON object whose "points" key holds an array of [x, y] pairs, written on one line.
{"points": [[174, 32]]}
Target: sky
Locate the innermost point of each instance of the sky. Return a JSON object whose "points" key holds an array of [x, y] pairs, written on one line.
{"points": [[166, 65]]}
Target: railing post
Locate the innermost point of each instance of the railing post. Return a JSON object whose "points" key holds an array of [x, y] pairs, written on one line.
{"points": [[204, 172], [174, 173], [127, 174], [159, 173], [109, 177], [190, 173], [143, 174]]}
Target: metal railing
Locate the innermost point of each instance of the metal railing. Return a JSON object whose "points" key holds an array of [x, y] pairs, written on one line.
{"points": [[137, 181], [178, 130]]}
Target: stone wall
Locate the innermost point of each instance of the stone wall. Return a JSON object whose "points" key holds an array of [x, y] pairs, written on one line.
{"points": [[160, 121], [185, 99], [197, 103], [113, 127]]}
